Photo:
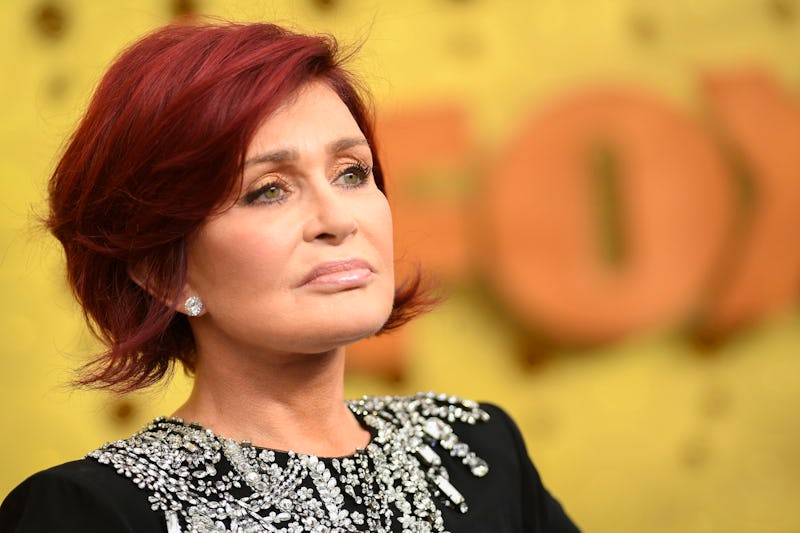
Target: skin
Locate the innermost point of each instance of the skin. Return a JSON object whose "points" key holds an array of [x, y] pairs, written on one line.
{"points": [[271, 339]]}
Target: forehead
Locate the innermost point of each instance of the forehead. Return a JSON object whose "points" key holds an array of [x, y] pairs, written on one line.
{"points": [[314, 115]]}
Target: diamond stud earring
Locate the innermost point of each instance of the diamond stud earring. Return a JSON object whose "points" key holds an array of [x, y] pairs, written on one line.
{"points": [[193, 305]]}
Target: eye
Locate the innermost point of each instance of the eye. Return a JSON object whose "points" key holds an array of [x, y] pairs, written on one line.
{"points": [[269, 193], [354, 176]]}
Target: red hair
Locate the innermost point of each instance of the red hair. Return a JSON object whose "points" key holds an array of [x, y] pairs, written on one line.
{"points": [[160, 148]]}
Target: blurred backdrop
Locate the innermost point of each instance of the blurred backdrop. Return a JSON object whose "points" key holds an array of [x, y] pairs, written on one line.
{"points": [[608, 192]]}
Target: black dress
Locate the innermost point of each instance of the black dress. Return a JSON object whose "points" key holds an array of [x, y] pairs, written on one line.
{"points": [[88, 496]]}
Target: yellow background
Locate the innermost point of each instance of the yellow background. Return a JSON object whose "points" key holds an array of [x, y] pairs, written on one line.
{"points": [[650, 434]]}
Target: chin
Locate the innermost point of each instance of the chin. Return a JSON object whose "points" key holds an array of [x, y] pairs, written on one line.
{"points": [[332, 333]]}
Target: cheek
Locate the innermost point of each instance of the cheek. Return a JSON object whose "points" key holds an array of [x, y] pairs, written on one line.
{"points": [[223, 260], [381, 222]]}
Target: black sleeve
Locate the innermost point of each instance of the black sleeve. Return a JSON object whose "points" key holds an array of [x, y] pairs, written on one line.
{"points": [[78, 497], [540, 511]]}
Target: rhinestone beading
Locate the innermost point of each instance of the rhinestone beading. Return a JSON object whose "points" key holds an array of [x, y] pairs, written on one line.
{"points": [[204, 483]]}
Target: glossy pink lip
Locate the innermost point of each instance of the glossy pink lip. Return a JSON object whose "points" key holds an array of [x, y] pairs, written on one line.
{"points": [[345, 273]]}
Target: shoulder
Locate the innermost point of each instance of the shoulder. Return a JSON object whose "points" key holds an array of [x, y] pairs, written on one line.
{"points": [[500, 434], [77, 496], [437, 415], [501, 484], [449, 432], [84, 478], [423, 404], [83, 473], [429, 422]]}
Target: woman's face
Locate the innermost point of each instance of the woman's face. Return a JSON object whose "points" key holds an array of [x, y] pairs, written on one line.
{"points": [[302, 262]]}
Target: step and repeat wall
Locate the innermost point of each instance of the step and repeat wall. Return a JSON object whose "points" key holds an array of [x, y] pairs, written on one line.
{"points": [[607, 193]]}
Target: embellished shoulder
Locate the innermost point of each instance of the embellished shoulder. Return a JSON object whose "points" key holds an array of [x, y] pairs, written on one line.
{"points": [[205, 483], [431, 415]]}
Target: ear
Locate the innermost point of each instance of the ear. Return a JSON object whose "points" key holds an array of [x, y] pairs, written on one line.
{"points": [[188, 302]]}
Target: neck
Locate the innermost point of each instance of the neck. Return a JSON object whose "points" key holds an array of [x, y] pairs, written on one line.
{"points": [[293, 402]]}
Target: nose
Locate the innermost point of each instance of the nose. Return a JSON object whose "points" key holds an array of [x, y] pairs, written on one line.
{"points": [[331, 217]]}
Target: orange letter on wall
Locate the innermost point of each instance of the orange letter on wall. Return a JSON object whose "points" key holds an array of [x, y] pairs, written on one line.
{"points": [[673, 201], [762, 275], [424, 151]]}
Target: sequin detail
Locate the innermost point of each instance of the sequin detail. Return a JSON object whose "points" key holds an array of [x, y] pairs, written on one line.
{"points": [[204, 483]]}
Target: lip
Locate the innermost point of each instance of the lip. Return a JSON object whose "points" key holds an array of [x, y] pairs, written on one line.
{"points": [[340, 274]]}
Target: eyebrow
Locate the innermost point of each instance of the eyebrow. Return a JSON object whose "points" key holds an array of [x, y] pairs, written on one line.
{"points": [[290, 154]]}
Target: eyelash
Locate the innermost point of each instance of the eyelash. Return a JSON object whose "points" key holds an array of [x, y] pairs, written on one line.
{"points": [[359, 169], [255, 196], [362, 171]]}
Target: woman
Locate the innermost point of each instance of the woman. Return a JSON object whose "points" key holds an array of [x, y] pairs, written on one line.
{"points": [[221, 205]]}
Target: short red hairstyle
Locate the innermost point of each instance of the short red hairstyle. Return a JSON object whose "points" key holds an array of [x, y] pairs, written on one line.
{"points": [[160, 148]]}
